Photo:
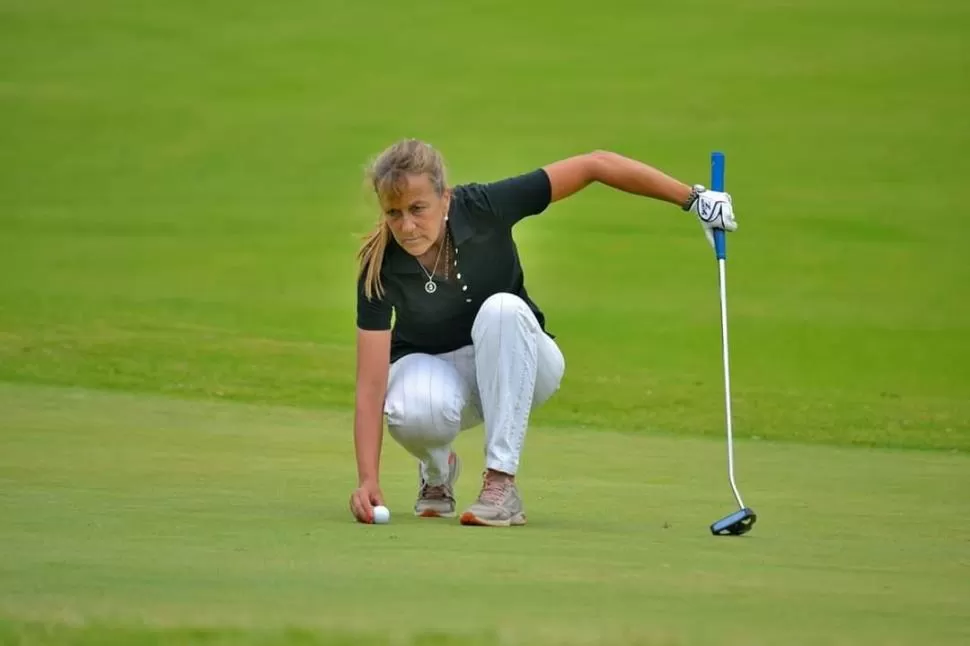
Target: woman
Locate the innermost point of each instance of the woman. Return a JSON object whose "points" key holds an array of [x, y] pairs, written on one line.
{"points": [[468, 345]]}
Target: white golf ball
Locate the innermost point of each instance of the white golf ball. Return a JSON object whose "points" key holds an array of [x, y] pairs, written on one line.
{"points": [[381, 515]]}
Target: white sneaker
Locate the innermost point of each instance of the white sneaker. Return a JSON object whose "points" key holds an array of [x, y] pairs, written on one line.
{"points": [[498, 505]]}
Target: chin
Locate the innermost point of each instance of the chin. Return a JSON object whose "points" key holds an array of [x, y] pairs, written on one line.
{"points": [[415, 248]]}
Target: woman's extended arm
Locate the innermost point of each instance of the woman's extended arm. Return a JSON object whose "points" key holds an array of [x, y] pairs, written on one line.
{"points": [[714, 209], [373, 351], [572, 174]]}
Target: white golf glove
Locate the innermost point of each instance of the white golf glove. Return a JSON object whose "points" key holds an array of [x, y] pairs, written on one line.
{"points": [[715, 210]]}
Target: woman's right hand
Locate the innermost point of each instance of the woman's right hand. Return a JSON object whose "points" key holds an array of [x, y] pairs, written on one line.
{"points": [[363, 500]]}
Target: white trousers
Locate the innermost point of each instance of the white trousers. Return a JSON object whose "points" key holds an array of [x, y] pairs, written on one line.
{"points": [[511, 367]]}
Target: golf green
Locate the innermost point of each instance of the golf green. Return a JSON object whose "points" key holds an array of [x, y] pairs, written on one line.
{"points": [[147, 516]]}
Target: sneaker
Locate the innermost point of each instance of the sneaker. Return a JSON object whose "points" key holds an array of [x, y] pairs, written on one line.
{"points": [[498, 505], [438, 501]]}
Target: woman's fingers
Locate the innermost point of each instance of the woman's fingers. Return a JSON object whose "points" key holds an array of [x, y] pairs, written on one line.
{"points": [[363, 500], [361, 507], [376, 497]]}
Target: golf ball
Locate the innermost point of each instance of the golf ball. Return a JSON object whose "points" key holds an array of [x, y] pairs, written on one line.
{"points": [[381, 515]]}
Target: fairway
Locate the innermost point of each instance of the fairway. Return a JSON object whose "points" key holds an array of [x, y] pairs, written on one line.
{"points": [[181, 199]]}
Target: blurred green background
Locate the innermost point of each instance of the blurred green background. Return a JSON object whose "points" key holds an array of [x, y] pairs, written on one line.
{"points": [[182, 194]]}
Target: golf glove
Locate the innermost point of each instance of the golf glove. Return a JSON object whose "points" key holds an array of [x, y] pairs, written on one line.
{"points": [[715, 210]]}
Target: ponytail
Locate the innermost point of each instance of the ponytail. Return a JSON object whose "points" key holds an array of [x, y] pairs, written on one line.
{"points": [[371, 257]]}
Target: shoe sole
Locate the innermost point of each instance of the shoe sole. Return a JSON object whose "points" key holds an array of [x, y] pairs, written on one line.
{"points": [[470, 519], [430, 513]]}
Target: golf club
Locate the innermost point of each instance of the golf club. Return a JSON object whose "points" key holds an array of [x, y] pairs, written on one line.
{"points": [[741, 521]]}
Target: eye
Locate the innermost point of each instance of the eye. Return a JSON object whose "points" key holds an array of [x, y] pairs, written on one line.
{"points": [[417, 209]]}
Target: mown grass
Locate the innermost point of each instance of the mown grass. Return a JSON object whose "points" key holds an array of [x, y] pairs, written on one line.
{"points": [[160, 518]]}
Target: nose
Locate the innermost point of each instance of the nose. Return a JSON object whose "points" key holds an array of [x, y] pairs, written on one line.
{"points": [[407, 225]]}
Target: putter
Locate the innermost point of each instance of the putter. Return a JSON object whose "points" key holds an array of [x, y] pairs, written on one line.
{"points": [[741, 521]]}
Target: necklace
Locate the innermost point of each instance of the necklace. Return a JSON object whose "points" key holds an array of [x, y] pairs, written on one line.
{"points": [[431, 287]]}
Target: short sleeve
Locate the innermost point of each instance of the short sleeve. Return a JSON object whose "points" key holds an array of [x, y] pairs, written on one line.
{"points": [[372, 313], [515, 198]]}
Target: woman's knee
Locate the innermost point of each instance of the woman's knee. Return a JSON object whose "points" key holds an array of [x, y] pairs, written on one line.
{"points": [[502, 307], [425, 409]]}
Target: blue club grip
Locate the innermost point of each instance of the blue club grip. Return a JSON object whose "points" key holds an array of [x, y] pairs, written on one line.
{"points": [[717, 184]]}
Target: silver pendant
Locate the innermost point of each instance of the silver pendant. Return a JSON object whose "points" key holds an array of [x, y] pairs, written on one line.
{"points": [[430, 287]]}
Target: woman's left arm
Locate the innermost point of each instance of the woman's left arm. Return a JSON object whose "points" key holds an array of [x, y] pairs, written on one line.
{"points": [[573, 174], [714, 209]]}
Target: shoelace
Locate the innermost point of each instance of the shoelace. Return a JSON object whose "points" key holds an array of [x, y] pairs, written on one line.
{"points": [[493, 491], [435, 492]]}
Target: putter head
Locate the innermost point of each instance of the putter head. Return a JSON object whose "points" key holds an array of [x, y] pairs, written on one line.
{"points": [[738, 523]]}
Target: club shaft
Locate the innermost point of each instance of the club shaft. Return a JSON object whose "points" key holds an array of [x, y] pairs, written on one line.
{"points": [[722, 276]]}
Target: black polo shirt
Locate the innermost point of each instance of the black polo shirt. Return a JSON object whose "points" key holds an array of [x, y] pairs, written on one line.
{"points": [[480, 220]]}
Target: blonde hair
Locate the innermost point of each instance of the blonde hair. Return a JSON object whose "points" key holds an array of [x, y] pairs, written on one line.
{"points": [[388, 175]]}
